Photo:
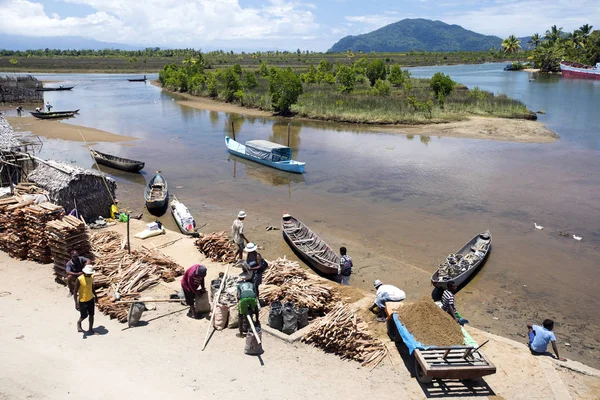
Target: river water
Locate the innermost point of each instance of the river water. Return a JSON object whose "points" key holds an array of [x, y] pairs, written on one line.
{"points": [[399, 203]]}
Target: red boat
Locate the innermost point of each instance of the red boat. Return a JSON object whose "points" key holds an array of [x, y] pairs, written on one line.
{"points": [[577, 70]]}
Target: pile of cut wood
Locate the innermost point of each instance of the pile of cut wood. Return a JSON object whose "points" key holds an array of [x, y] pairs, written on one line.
{"points": [[285, 281], [127, 274], [217, 246], [64, 235], [36, 219], [341, 332]]}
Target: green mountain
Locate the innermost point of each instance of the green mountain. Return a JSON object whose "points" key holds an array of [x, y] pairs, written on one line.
{"points": [[418, 34]]}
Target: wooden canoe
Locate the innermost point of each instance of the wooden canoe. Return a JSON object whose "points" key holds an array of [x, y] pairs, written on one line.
{"points": [[157, 194], [144, 79], [54, 114], [124, 164], [54, 89], [309, 247], [482, 244]]}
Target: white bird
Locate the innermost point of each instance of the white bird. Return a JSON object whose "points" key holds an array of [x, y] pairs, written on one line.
{"points": [[578, 238], [537, 226]]}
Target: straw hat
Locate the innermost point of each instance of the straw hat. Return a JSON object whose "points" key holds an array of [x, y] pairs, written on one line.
{"points": [[377, 283], [88, 269], [250, 247], [242, 214]]}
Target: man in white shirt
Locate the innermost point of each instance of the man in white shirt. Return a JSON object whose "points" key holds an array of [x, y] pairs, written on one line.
{"points": [[237, 234], [384, 294]]}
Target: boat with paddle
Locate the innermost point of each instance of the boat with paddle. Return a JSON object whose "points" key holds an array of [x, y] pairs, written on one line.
{"points": [[157, 194], [182, 216], [458, 267], [54, 114], [309, 246], [267, 153], [124, 164]]}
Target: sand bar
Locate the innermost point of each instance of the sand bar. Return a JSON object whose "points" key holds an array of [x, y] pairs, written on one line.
{"points": [[59, 130]]}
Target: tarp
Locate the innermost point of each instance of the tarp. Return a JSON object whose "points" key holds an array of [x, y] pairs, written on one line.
{"points": [[269, 151], [412, 344]]}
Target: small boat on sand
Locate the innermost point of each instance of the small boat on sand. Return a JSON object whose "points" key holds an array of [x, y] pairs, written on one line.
{"points": [[267, 153], [54, 114], [157, 194], [124, 164], [182, 216], [460, 266], [54, 89], [309, 247]]}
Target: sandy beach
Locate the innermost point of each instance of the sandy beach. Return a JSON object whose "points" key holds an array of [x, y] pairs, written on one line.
{"points": [[58, 130], [162, 357], [491, 128]]}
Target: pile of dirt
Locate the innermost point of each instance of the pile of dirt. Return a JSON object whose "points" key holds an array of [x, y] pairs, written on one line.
{"points": [[429, 324]]}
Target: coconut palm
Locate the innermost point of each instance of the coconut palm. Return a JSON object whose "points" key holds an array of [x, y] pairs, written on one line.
{"points": [[511, 44], [554, 34], [535, 40], [585, 30]]}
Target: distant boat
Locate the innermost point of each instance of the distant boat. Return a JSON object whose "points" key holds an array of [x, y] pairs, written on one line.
{"points": [[309, 247], [182, 216], [138, 79], [52, 89], [266, 153], [123, 164], [576, 70], [157, 194], [54, 114]]}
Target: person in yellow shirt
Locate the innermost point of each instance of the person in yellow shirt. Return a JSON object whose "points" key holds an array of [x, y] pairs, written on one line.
{"points": [[85, 298], [114, 210]]}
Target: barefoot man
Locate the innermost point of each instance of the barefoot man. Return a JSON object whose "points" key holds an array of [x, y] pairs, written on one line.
{"points": [[85, 296]]}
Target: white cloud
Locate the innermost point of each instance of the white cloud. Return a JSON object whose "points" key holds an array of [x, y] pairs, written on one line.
{"points": [[373, 21], [165, 22]]}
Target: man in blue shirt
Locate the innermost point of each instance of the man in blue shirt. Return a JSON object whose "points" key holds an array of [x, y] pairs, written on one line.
{"points": [[539, 336]]}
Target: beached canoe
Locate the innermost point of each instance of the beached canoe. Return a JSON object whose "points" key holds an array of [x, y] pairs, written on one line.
{"points": [[267, 153], [182, 216], [309, 247], [123, 164], [157, 194], [54, 114], [54, 89], [465, 262]]}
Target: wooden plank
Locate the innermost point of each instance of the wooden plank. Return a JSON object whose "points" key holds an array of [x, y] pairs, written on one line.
{"points": [[303, 241]]}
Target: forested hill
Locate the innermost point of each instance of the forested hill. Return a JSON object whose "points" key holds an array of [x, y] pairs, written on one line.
{"points": [[418, 34]]}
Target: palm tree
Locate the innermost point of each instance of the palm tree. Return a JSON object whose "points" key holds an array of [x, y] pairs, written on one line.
{"points": [[554, 34], [535, 40], [511, 44], [585, 30]]}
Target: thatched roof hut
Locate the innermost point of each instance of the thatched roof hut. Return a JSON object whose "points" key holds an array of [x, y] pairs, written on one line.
{"points": [[74, 187]]}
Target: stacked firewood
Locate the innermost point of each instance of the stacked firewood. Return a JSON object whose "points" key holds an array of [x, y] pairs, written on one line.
{"points": [[36, 218], [28, 188], [217, 246], [341, 332], [64, 235], [16, 240], [285, 281]]}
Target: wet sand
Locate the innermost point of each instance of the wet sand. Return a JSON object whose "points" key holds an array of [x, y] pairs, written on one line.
{"points": [[491, 128], [59, 130]]}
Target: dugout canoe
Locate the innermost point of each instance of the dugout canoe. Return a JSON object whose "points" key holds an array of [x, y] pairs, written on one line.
{"points": [[309, 246], [124, 164], [52, 89], [157, 194], [476, 249], [54, 114], [144, 79]]}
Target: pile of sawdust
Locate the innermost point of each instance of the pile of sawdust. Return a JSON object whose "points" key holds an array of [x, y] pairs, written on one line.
{"points": [[429, 324]]}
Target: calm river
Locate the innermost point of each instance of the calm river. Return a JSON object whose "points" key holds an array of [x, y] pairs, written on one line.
{"points": [[399, 203]]}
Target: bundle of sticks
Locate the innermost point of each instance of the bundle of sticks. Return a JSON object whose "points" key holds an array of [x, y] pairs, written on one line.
{"points": [[64, 235], [217, 246], [285, 281], [36, 218], [16, 240], [341, 332]]}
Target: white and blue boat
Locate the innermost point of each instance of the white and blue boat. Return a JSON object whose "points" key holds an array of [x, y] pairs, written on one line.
{"points": [[267, 153]]}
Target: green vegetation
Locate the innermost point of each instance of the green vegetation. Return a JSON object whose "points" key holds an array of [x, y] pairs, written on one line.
{"points": [[418, 34], [511, 44], [341, 92]]}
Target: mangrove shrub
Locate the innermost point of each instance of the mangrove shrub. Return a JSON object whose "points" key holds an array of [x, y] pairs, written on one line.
{"points": [[376, 70], [284, 86], [346, 79]]}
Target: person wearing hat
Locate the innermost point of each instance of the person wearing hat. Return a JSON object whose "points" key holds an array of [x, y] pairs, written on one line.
{"points": [[192, 284], [256, 265], [237, 234], [247, 301], [74, 269], [384, 294], [85, 298]]}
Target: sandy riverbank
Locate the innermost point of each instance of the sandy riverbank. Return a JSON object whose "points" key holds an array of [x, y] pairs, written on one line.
{"points": [[39, 343], [491, 128], [59, 130]]}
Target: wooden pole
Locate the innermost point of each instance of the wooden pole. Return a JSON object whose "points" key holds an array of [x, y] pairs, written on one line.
{"points": [[289, 127], [149, 301], [232, 130], [253, 329], [212, 314], [128, 242]]}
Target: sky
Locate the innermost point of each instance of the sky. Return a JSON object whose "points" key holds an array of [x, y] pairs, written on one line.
{"points": [[276, 24]]}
